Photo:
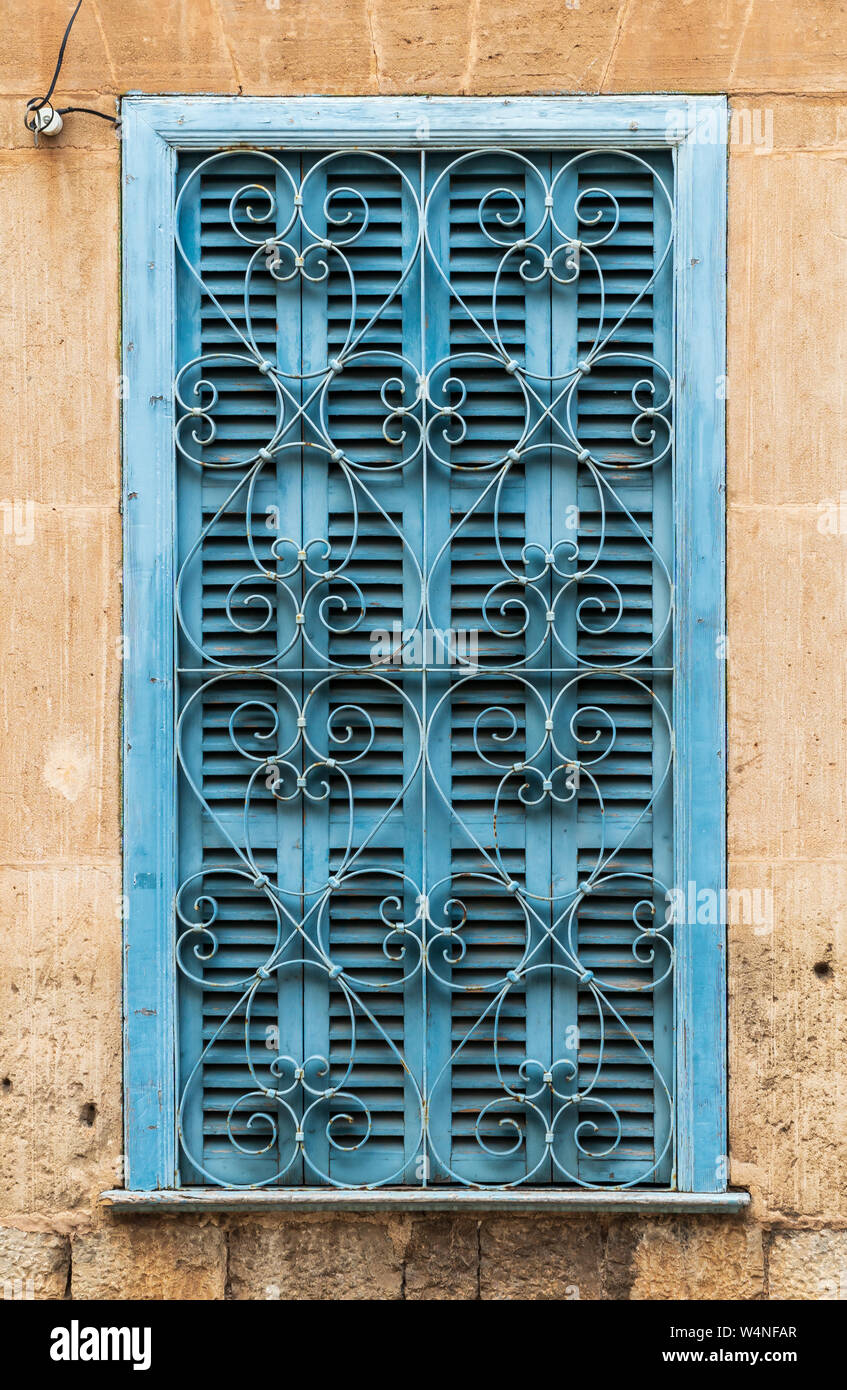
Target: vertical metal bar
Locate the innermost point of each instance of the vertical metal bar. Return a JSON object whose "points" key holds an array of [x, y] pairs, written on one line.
{"points": [[425, 1159], [661, 481], [188, 513], [564, 492]]}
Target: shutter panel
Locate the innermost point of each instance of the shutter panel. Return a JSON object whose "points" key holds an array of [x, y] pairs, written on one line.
{"points": [[367, 1021], [421, 932], [233, 620], [483, 1038], [635, 510]]}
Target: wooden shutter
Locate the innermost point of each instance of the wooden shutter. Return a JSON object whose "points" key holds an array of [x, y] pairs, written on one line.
{"points": [[401, 956]]}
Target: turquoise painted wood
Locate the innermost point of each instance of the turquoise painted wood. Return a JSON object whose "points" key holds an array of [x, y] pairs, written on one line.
{"points": [[700, 693], [425, 1033], [148, 763]]}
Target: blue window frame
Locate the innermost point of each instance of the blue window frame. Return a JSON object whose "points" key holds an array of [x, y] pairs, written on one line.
{"points": [[424, 703]]}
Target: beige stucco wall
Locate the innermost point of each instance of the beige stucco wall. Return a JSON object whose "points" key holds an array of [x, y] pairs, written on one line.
{"points": [[60, 930]]}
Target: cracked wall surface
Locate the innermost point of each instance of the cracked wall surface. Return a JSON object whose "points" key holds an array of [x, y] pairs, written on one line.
{"points": [[60, 869]]}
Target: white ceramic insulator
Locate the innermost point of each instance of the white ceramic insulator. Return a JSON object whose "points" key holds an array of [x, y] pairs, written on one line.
{"points": [[48, 121]]}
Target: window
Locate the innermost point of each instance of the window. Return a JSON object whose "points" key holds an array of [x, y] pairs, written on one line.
{"points": [[424, 691]]}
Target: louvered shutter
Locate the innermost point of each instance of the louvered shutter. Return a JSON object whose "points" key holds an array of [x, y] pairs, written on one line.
{"points": [[421, 902]]}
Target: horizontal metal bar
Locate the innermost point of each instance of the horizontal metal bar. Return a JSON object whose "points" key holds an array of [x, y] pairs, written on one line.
{"points": [[419, 670], [424, 1199]]}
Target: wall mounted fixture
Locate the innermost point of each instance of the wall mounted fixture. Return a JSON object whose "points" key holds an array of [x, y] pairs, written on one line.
{"points": [[42, 118]]}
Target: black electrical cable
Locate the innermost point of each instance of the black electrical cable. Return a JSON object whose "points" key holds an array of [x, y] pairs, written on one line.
{"points": [[89, 111], [37, 104]]}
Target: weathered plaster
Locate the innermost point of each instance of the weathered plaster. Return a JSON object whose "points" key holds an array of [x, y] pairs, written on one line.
{"points": [[61, 657]]}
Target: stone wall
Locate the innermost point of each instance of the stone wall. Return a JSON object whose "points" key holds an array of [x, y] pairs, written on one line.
{"points": [[60, 872]]}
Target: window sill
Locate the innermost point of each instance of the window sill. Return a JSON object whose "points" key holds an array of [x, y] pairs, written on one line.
{"points": [[428, 1199]]}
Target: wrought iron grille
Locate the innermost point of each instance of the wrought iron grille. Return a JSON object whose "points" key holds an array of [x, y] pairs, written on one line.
{"points": [[424, 605]]}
